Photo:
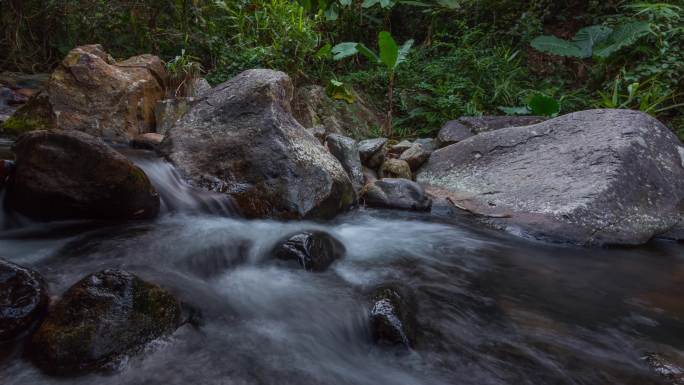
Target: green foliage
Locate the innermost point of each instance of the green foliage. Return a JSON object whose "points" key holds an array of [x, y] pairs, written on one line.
{"points": [[596, 40], [539, 105], [339, 91]]}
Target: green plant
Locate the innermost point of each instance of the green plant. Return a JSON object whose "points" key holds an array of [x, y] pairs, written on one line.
{"points": [[339, 91], [390, 55], [538, 104], [650, 96], [182, 70], [597, 40]]}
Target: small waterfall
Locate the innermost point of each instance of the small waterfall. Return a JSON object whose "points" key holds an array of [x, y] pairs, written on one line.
{"points": [[176, 194]]}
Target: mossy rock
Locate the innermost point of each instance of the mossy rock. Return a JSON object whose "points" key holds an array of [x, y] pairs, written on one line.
{"points": [[101, 319], [34, 115]]}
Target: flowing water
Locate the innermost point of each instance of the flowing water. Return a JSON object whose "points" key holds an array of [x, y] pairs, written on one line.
{"points": [[493, 309]]}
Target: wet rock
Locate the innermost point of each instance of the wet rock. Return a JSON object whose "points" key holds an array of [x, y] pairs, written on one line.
{"points": [[241, 139], [396, 194], [6, 168], [455, 131], [101, 319], [149, 141], [312, 107], [92, 93], [415, 156], [23, 299], [372, 152], [428, 143], [393, 316], [70, 174], [346, 150], [400, 147], [395, 168], [587, 178], [660, 364], [168, 112], [369, 175], [314, 250]]}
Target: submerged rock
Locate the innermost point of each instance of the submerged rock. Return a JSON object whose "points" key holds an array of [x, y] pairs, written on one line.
{"points": [[92, 93], [592, 177], [314, 250], [102, 318], [346, 150], [393, 316], [396, 194], [395, 168], [23, 299], [415, 156], [241, 139], [372, 152], [70, 174]]}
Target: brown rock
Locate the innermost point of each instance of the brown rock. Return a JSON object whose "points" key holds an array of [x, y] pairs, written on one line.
{"points": [[395, 168]]}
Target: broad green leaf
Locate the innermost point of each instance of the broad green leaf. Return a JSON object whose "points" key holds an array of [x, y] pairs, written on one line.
{"points": [[515, 110], [331, 14], [369, 3], [544, 105], [344, 50], [587, 38], [386, 3], [415, 3], [338, 91], [370, 55], [404, 51], [623, 36], [325, 52], [345, 3], [389, 51], [556, 46]]}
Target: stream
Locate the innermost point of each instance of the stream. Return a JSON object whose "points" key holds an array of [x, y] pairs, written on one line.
{"points": [[493, 309]]}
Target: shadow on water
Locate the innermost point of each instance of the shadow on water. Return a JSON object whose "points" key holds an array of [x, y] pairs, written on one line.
{"points": [[493, 309]]}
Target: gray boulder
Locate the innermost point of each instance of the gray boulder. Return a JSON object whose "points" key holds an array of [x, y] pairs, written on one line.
{"points": [[592, 177], [346, 150], [415, 156], [240, 139], [458, 130], [372, 152], [396, 194], [23, 299]]}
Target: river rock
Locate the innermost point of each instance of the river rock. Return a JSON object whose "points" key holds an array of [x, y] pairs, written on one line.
{"points": [[102, 318], [592, 177], [372, 152], [428, 143], [23, 299], [393, 316], [148, 141], [400, 147], [415, 156], [369, 175], [313, 107], [314, 250], [70, 174], [455, 131], [346, 150], [395, 168], [167, 112], [91, 92], [241, 139], [396, 194]]}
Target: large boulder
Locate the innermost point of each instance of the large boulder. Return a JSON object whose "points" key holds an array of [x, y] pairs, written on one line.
{"points": [[241, 139], [396, 194], [92, 93], [23, 299], [314, 250], [592, 177], [102, 318], [458, 130], [312, 107], [346, 150], [70, 174]]}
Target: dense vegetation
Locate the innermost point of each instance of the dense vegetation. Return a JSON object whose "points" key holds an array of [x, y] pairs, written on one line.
{"points": [[470, 57]]}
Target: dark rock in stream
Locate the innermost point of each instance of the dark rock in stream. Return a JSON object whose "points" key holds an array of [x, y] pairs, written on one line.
{"points": [[6, 168], [314, 250], [102, 318], [70, 174], [396, 194], [393, 316], [592, 178], [346, 150], [23, 299], [240, 139]]}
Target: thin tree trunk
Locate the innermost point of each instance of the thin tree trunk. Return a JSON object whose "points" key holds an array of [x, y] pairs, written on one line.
{"points": [[390, 97]]}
